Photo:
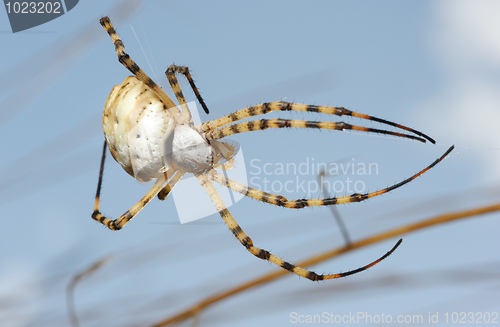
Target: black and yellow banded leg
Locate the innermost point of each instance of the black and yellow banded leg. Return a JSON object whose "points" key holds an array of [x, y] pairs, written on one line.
{"points": [[263, 124], [171, 184], [281, 201], [121, 221], [172, 79], [129, 214], [265, 108], [247, 242], [129, 63]]}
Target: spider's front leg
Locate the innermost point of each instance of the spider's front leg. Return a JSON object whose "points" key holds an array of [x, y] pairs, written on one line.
{"points": [[172, 79], [281, 201], [131, 65], [266, 108], [263, 124], [247, 242]]}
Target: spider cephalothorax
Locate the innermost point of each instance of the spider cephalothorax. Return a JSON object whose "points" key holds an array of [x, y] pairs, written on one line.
{"points": [[152, 138]]}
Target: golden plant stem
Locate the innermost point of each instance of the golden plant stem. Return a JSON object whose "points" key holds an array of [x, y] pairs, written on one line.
{"points": [[196, 309]]}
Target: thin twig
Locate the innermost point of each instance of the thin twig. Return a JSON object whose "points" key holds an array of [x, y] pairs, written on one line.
{"points": [[437, 220], [70, 291]]}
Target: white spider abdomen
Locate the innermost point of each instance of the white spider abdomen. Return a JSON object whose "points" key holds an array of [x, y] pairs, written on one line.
{"points": [[137, 125], [190, 152], [146, 143]]}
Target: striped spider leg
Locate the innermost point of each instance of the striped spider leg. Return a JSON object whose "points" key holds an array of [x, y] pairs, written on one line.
{"points": [[247, 242], [129, 63], [172, 79], [278, 200], [218, 128], [281, 201], [152, 139]]}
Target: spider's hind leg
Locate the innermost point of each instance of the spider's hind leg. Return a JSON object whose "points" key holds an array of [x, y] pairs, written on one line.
{"points": [[247, 242], [121, 221], [163, 194]]}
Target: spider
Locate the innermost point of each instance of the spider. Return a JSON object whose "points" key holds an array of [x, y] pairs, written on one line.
{"points": [[152, 138]]}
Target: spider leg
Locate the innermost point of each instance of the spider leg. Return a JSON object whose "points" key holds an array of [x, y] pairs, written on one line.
{"points": [[224, 151], [132, 212], [247, 242], [225, 166], [265, 108], [262, 124], [172, 79], [281, 201], [130, 64], [163, 194]]}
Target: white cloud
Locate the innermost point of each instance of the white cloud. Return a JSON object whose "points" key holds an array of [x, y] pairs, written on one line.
{"points": [[465, 38], [469, 31]]}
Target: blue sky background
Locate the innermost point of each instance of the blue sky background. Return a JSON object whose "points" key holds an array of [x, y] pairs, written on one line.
{"points": [[431, 65]]}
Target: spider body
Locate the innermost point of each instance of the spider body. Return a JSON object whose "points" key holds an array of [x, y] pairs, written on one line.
{"points": [[147, 139], [152, 138], [136, 126], [191, 151]]}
